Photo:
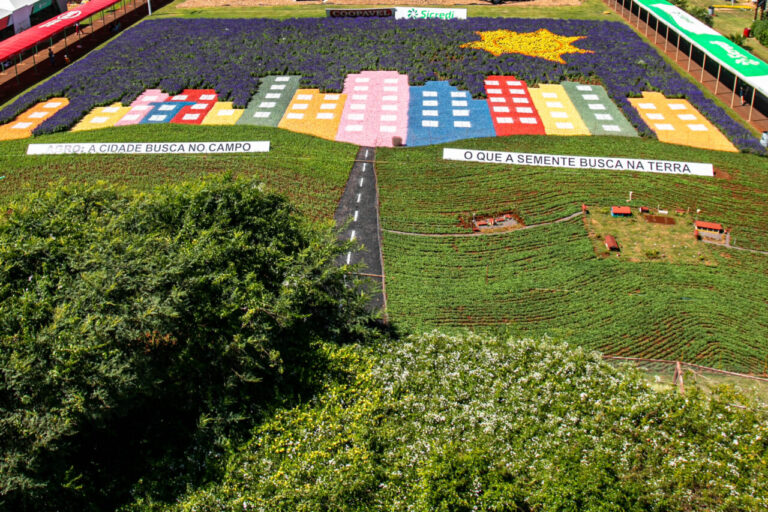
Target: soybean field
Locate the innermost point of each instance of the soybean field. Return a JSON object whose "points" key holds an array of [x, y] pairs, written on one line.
{"points": [[552, 279], [422, 193], [547, 281]]}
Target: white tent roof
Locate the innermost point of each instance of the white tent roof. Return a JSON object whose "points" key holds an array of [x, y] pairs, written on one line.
{"points": [[14, 5]]}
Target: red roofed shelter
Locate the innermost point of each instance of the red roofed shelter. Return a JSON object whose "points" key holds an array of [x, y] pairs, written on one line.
{"points": [[620, 211], [44, 32], [610, 243], [709, 226]]}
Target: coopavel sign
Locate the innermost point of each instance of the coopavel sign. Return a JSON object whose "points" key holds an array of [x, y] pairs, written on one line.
{"points": [[580, 162], [418, 13], [148, 148], [360, 13]]}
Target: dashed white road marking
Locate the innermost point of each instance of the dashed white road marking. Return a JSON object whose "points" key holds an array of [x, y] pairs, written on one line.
{"points": [[352, 236], [361, 181], [358, 198], [349, 257], [356, 212]]}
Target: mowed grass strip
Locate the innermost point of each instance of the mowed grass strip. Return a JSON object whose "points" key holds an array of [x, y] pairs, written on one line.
{"points": [[310, 172], [548, 280], [421, 192], [586, 9]]}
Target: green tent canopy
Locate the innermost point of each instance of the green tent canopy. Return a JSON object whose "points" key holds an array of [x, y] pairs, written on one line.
{"points": [[748, 68]]}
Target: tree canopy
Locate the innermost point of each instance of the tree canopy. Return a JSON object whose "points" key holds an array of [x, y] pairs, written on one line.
{"points": [[138, 330]]}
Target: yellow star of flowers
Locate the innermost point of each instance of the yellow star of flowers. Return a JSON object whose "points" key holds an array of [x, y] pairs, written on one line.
{"points": [[541, 43]]}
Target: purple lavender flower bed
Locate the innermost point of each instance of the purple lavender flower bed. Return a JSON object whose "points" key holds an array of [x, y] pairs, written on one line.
{"points": [[230, 55]]}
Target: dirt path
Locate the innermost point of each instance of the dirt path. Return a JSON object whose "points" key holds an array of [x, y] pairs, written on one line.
{"points": [[729, 246], [437, 235]]}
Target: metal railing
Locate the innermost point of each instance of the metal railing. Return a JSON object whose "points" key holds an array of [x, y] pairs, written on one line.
{"points": [[753, 389]]}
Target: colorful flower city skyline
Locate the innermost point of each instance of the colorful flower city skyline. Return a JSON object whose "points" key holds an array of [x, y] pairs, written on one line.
{"points": [[233, 56], [379, 108]]}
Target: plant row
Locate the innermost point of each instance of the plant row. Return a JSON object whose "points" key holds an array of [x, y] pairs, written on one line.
{"points": [[420, 192], [548, 281]]}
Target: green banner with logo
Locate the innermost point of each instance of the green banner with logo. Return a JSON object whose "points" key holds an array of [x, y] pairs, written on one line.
{"points": [[739, 61], [42, 4]]}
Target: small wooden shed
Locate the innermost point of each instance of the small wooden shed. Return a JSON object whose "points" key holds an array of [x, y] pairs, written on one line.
{"points": [[621, 211], [610, 243], [711, 227]]}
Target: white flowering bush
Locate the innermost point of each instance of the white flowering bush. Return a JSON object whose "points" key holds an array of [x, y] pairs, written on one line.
{"points": [[460, 423]]}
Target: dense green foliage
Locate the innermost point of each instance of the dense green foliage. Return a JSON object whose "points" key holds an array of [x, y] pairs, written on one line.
{"points": [[437, 423], [760, 31], [548, 280], [140, 330], [310, 172]]}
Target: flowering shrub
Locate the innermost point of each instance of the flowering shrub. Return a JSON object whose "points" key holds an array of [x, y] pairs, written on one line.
{"points": [[471, 423], [230, 55]]}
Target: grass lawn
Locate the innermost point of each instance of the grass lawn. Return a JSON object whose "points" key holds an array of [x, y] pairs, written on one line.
{"points": [[589, 9], [548, 281], [688, 300], [643, 241], [311, 172]]}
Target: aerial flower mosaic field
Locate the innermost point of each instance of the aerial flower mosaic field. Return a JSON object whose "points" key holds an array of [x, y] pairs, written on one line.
{"points": [[239, 60]]}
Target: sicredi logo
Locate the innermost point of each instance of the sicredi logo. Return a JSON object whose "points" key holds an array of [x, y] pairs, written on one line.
{"points": [[426, 14], [62, 17], [735, 55], [414, 13]]}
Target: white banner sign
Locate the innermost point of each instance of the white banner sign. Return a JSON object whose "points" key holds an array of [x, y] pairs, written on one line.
{"points": [[421, 13], [148, 148], [579, 162]]}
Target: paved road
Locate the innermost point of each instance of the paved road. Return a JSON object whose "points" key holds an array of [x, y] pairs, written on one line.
{"points": [[358, 210]]}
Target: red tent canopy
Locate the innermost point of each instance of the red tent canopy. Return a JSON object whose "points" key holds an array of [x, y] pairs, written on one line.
{"points": [[43, 31]]}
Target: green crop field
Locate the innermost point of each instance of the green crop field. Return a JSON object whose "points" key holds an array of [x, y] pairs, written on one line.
{"points": [[543, 280], [311, 172], [548, 280], [422, 193]]}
